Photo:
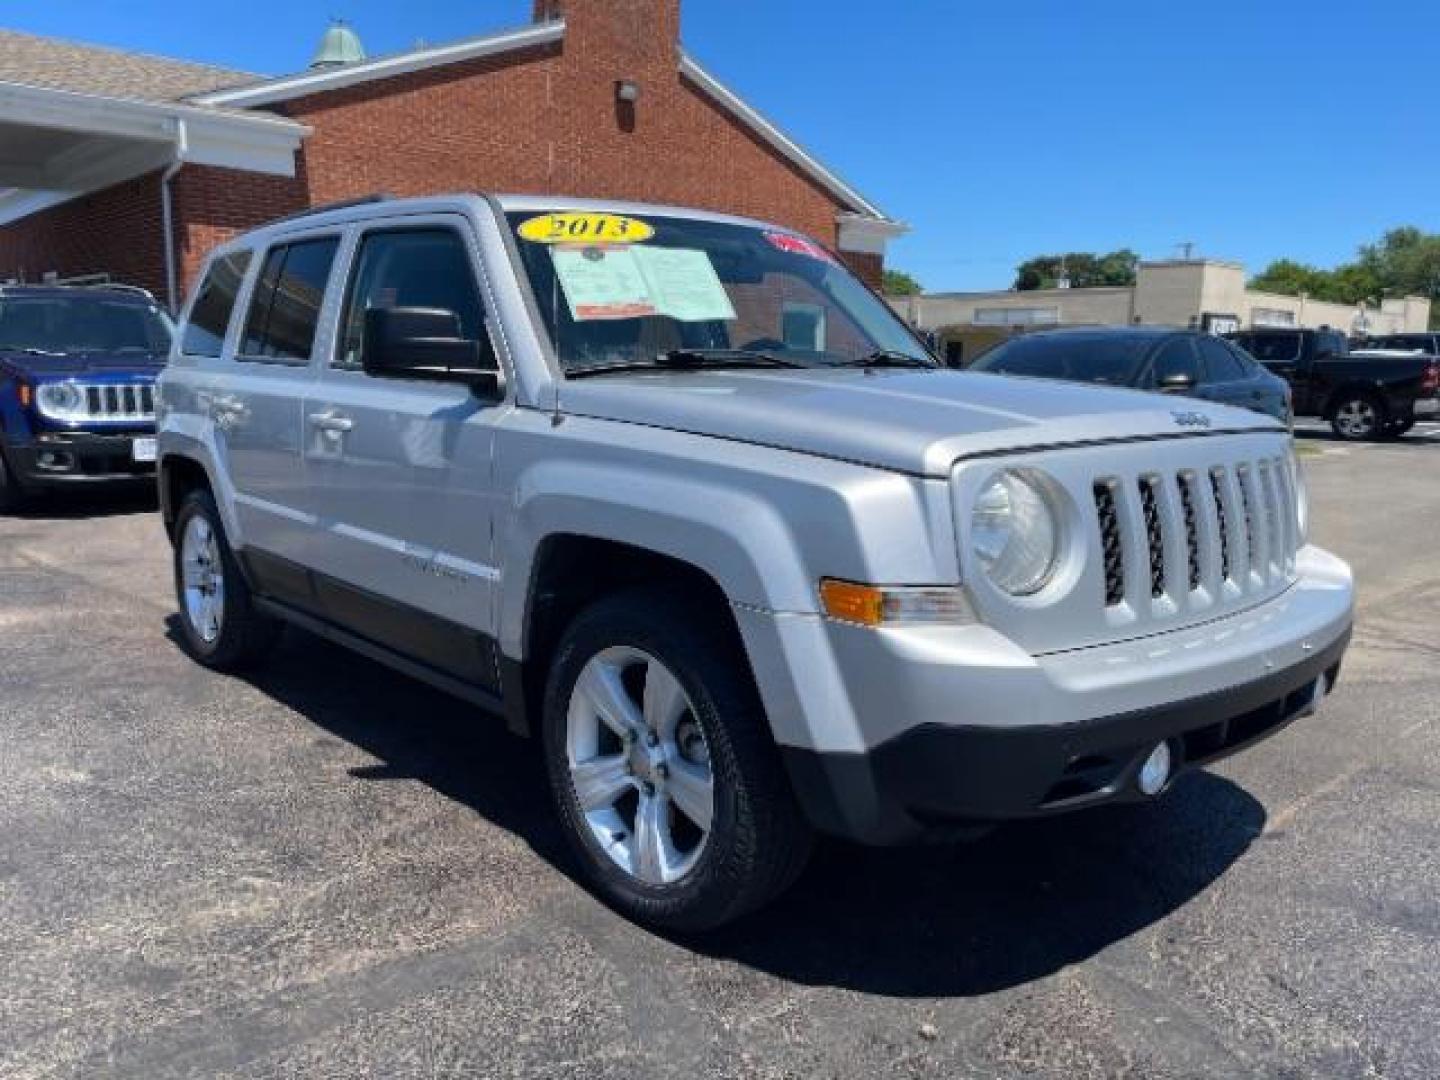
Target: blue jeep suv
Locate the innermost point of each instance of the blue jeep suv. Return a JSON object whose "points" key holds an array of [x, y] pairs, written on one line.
{"points": [[77, 387]]}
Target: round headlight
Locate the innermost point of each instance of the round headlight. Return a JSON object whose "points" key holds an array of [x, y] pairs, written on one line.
{"points": [[58, 397], [1015, 533]]}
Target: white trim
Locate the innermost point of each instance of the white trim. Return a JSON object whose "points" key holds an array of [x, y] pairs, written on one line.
{"points": [[777, 138], [385, 67], [867, 235], [132, 137]]}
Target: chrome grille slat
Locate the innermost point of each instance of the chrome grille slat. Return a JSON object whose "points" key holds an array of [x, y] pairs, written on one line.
{"points": [[116, 401]]}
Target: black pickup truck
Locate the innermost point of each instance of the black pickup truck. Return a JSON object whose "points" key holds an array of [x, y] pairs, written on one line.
{"points": [[1364, 395]]}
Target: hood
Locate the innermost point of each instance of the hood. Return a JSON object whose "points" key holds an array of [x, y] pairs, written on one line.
{"points": [[82, 365], [918, 422]]}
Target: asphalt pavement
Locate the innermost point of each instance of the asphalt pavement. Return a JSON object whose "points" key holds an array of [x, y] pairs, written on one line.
{"points": [[330, 870]]}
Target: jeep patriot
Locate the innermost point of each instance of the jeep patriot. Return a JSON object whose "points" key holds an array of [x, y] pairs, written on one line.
{"points": [[675, 493]]}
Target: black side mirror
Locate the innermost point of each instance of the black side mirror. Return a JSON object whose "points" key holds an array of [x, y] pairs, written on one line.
{"points": [[425, 343], [1177, 382]]}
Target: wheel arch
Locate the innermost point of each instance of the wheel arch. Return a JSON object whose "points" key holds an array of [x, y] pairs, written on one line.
{"points": [[1369, 388]]}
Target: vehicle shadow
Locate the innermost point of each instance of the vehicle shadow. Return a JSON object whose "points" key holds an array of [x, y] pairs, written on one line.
{"points": [[82, 505], [937, 921]]}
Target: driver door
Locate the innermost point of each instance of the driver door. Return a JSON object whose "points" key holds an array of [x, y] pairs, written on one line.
{"points": [[402, 469]]}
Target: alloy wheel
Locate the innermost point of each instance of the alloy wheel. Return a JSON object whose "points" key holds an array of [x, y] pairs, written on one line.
{"points": [[639, 765], [203, 578], [1356, 418]]}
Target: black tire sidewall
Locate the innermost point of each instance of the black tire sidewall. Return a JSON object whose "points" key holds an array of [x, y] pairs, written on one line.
{"points": [[722, 694], [230, 647]]}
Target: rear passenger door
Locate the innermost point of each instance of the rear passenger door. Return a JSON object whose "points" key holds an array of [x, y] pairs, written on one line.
{"points": [[401, 470], [258, 410]]}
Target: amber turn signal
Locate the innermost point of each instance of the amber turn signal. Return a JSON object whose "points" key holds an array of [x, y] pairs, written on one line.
{"points": [[873, 605]]}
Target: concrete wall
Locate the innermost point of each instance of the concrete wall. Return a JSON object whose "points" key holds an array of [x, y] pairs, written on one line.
{"points": [[1173, 293]]}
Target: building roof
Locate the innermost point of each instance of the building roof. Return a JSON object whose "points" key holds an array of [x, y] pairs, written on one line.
{"points": [[55, 64]]}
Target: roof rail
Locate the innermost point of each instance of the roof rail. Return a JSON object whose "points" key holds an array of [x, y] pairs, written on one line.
{"points": [[343, 204]]}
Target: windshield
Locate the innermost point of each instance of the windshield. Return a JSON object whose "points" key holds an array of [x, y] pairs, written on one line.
{"points": [[619, 291], [80, 324], [1079, 358]]}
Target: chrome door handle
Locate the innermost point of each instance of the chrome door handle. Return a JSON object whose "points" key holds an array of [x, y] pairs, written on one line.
{"points": [[332, 423], [227, 411]]}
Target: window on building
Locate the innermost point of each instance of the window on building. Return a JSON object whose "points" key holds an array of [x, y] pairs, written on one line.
{"points": [[1271, 317], [210, 313], [285, 309], [802, 326], [411, 268], [1017, 316]]}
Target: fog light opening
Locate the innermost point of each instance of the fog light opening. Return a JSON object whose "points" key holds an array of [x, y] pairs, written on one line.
{"points": [[1155, 772]]}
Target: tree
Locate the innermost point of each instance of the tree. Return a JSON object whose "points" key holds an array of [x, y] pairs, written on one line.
{"points": [[1082, 269], [899, 283]]}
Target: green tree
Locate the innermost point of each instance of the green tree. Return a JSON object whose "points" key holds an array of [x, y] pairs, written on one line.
{"points": [[899, 283], [1083, 269], [1405, 262]]}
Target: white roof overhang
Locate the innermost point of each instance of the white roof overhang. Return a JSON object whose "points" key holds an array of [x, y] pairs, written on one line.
{"points": [[57, 144]]}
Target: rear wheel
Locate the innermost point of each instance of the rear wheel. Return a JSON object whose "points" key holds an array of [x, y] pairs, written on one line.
{"points": [[668, 785], [1358, 416], [220, 626]]}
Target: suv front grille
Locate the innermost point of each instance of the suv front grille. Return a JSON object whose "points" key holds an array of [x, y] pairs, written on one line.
{"points": [[108, 401], [1237, 532]]}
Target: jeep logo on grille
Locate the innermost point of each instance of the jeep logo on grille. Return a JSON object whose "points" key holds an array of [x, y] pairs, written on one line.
{"points": [[1191, 419]]}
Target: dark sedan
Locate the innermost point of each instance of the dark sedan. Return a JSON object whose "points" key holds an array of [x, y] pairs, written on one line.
{"points": [[1145, 358]]}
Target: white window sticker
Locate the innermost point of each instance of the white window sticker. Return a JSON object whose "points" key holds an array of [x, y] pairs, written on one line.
{"points": [[623, 282], [684, 284], [603, 283]]}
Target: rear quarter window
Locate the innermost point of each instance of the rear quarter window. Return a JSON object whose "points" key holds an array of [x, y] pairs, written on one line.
{"points": [[205, 329]]}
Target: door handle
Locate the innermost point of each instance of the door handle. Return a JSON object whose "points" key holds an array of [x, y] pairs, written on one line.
{"points": [[227, 411], [332, 423]]}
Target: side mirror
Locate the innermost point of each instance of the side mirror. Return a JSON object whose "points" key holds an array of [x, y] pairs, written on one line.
{"points": [[425, 343], [1177, 382]]}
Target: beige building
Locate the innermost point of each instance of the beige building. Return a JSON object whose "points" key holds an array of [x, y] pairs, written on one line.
{"points": [[1204, 293]]}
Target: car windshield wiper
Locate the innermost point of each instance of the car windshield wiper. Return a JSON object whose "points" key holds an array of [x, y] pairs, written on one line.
{"points": [[690, 360], [886, 358], [31, 350]]}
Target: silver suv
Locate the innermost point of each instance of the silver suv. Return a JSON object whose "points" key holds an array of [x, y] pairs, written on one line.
{"points": [[675, 492]]}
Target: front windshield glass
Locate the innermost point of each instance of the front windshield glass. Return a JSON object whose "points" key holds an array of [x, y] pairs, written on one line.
{"points": [[1114, 361], [617, 291], [82, 324]]}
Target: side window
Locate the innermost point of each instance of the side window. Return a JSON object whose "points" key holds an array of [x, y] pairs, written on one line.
{"points": [[285, 308], [210, 313], [1220, 364], [1175, 358], [409, 268]]}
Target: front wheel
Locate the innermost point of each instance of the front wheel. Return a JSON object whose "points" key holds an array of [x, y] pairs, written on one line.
{"points": [[1358, 417], [668, 785], [219, 625]]}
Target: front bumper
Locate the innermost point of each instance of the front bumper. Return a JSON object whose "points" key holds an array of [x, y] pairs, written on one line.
{"points": [[893, 735], [65, 459]]}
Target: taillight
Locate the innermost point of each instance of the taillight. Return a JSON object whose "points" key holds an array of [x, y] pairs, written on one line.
{"points": [[1430, 381]]}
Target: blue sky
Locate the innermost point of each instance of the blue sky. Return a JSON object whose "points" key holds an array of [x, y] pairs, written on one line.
{"points": [[1254, 129]]}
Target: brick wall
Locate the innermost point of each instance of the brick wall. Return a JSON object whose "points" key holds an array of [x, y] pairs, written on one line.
{"points": [[544, 121], [114, 231]]}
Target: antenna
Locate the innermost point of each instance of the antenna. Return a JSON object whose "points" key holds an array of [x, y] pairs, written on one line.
{"points": [[1187, 249]]}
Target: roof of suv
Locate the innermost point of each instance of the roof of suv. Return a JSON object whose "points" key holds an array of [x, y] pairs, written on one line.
{"points": [[123, 293]]}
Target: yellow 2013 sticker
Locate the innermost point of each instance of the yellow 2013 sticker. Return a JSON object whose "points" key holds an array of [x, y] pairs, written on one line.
{"points": [[573, 227]]}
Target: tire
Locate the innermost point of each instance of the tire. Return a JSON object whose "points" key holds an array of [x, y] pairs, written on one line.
{"points": [[1358, 417], [757, 841], [225, 634], [12, 497]]}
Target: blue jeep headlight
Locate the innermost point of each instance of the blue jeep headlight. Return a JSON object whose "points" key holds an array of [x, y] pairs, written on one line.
{"points": [[59, 400]]}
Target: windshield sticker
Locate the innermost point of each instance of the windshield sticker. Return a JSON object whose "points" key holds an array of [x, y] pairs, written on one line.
{"points": [[621, 282], [603, 283], [684, 284], [585, 228], [798, 245]]}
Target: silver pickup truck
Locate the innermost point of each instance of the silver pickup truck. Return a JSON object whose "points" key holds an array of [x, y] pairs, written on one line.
{"points": [[676, 493]]}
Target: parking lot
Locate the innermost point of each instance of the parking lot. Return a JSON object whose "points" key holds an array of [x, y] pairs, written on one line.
{"points": [[332, 870]]}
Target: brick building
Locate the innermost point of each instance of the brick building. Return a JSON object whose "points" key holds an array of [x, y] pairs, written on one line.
{"points": [[114, 161]]}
